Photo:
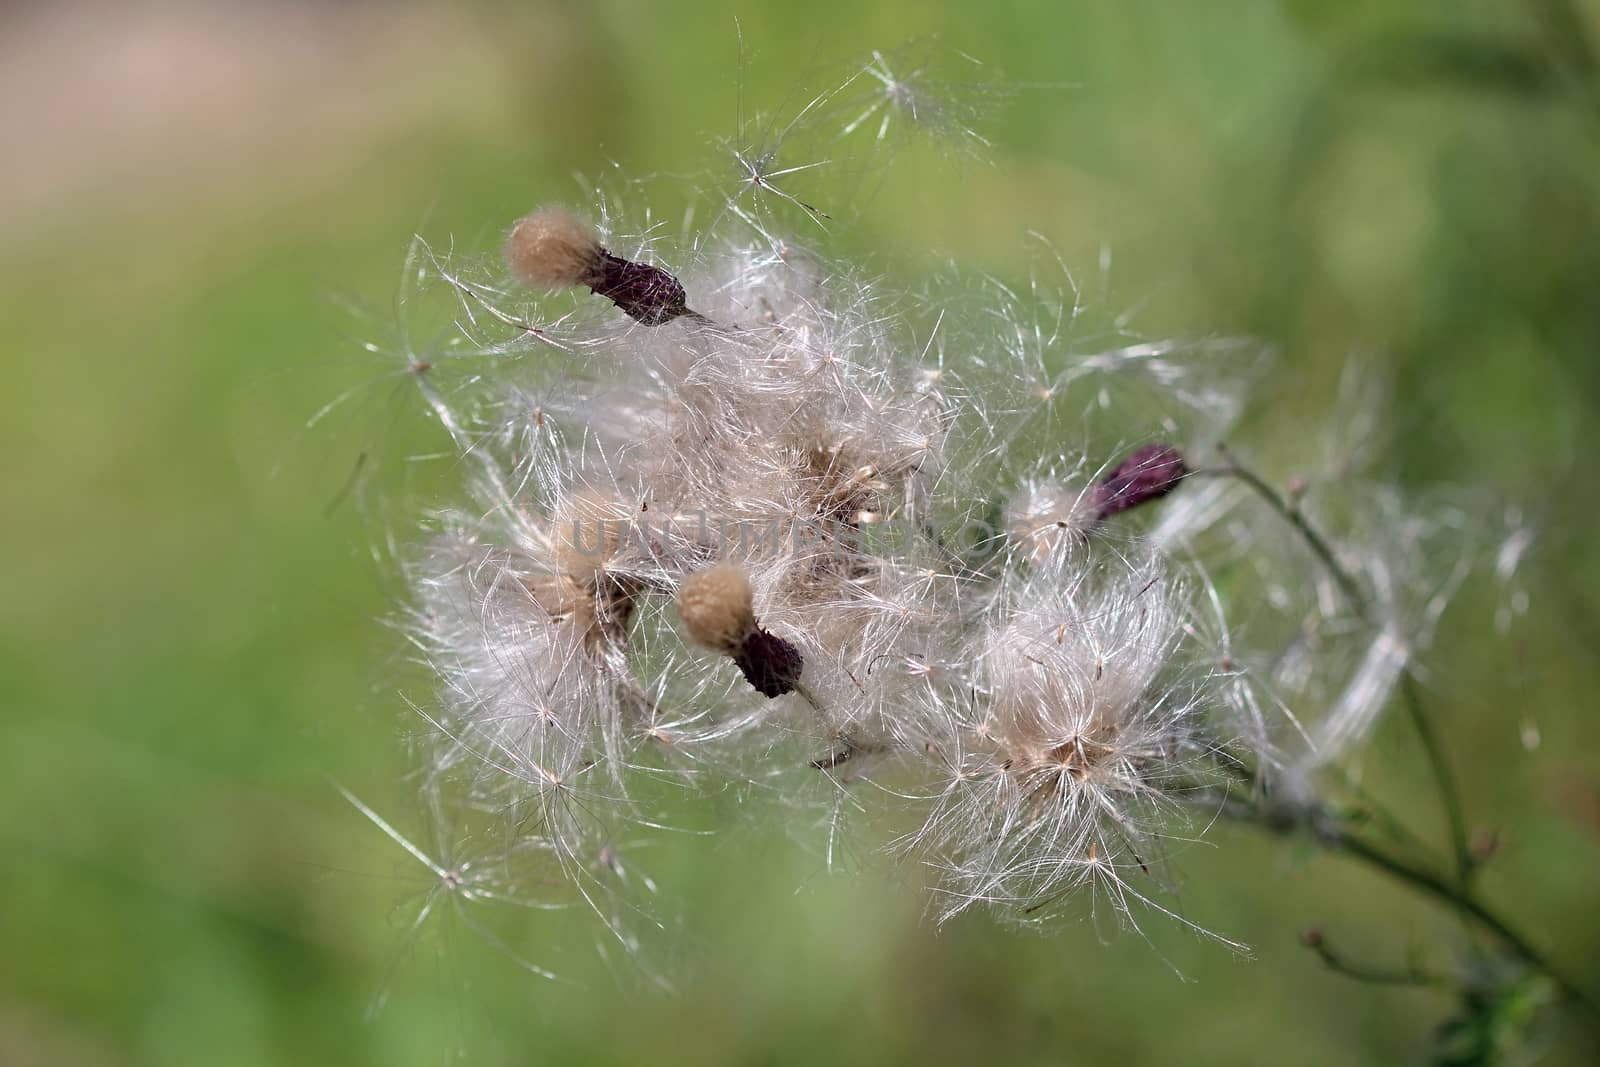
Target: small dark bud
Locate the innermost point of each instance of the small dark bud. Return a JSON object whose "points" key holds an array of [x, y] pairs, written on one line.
{"points": [[1147, 474], [1311, 937], [770, 664], [646, 294]]}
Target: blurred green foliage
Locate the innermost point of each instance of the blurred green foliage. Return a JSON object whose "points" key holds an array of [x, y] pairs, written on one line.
{"points": [[190, 645]]}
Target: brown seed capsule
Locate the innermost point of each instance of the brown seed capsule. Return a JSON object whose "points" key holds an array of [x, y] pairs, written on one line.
{"points": [[646, 294], [549, 249], [770, 664]]}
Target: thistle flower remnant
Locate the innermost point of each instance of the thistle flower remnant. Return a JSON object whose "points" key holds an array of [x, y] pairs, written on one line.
{"points": [[1055, 700], [550, 249], [717, 609], [1045, 516], [1148, 474]]}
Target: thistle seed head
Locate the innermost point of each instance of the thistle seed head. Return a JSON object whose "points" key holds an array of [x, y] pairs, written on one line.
{"points": [[589, 533], [550, 249], [717, 607], [1047, 517]]}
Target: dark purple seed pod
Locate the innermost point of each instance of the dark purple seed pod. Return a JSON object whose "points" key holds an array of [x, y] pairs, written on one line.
{"points": [[1147, 474], [770, 664], [646, 294]]}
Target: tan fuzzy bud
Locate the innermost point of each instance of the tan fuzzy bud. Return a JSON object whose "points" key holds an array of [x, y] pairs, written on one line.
{"points": [[549, 249], [717, 607], [589, 534]]}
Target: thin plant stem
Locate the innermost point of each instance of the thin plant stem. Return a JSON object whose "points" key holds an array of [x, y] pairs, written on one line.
{"points": [[1444, 773], [1461, 899], [1297, 519], [1337, 962], [1416, 711], [1372, 809], [1330, 832]]}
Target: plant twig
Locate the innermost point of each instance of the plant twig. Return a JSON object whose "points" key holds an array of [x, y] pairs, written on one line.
{"points": [[1337, 962], [1438, 762], [1444, 774], [1458, 897], [1296, 518], [1331, 833]]}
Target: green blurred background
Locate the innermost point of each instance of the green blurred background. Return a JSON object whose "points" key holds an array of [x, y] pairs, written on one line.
{"points": [[190, 644]]}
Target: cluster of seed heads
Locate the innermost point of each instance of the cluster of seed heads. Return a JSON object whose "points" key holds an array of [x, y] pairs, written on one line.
{"points": [[941, 586]]}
